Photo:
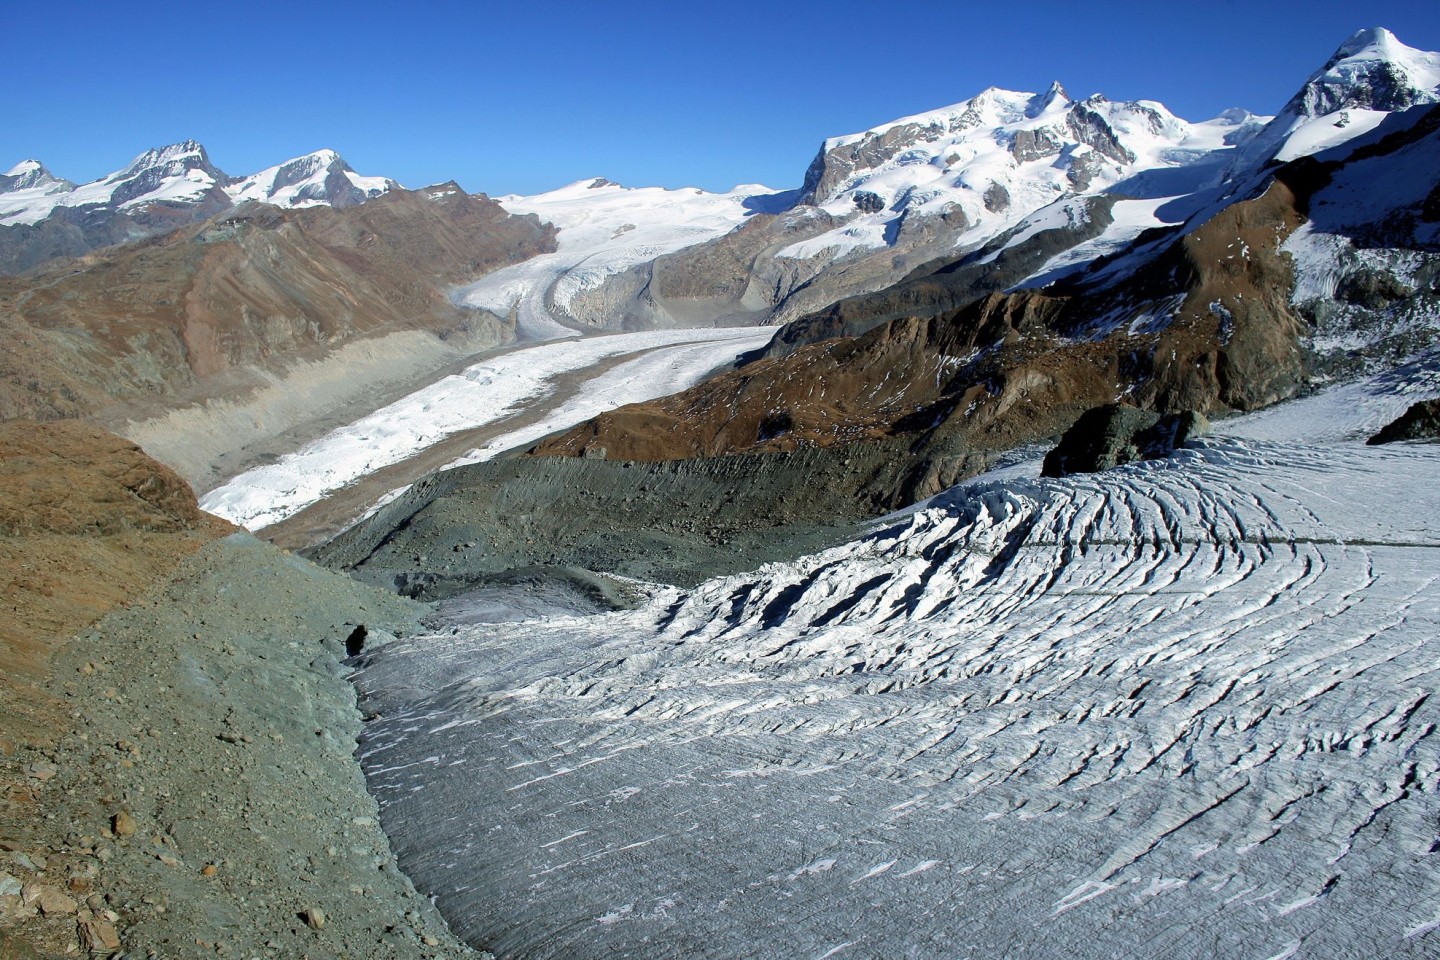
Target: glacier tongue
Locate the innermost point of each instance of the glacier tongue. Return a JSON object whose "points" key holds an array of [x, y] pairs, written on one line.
{"points": [[1185, 705]]}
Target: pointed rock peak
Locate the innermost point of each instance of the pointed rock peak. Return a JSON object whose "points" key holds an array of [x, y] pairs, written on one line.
{"points": [[324, 159], [1371, 71], [1044, 101], [187, 154], [328, 158]]}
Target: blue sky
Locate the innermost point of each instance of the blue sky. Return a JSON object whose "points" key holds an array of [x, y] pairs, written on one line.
{"points": [[524, 97]]}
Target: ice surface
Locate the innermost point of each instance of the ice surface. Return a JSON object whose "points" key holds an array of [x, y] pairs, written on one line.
{"points": [[1182, 709], [604, 229], [484, 393]]}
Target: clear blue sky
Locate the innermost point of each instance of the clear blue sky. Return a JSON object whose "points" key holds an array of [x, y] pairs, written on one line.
{"points": [[527, 96]]}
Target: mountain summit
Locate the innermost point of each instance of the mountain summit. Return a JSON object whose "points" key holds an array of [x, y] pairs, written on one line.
{"points": [[32, 175], [1370, 76], [322, 177]]}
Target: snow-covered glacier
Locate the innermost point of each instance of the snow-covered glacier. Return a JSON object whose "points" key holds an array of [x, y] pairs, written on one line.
{"points": [[1182, 709]]}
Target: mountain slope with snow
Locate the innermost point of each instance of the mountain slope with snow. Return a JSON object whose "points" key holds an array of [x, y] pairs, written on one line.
{"points": [[989, 173], [1370, 76]]}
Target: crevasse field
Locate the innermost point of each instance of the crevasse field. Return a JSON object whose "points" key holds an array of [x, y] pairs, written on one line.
{"points": [[1182, 709]]}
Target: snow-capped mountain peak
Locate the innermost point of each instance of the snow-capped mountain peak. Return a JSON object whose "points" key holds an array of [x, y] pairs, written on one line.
{"points": [[319, 178], [1372, 71], [987, 163], [32, 175], [1044, 101], [1370, 76], [182, 176], [181, 172], [24, 167], [186, 155]]}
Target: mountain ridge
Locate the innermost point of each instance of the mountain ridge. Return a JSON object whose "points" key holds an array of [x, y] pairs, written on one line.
{"points": [[43, 217]]}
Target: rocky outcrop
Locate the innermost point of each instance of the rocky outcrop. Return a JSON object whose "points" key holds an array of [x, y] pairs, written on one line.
{"points": [[1420, 422], [1114, 435]]}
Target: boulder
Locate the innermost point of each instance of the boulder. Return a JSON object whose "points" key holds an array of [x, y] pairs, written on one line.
{"points": [[1420, 422], [1111, 435]]}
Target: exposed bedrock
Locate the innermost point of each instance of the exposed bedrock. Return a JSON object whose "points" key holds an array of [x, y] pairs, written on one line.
{"points": [[1420, 422], [1114, 435]]}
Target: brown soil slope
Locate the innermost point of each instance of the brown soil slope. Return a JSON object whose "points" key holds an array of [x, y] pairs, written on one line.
{"points": [[253, 287]]}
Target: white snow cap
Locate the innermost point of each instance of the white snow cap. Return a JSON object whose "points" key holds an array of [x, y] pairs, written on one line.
{"points": [[1369, 77], [24, 167]]}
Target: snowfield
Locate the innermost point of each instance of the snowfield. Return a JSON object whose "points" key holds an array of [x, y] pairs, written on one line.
{"points": [[490, 391], [604, 229], [1182, 709]]}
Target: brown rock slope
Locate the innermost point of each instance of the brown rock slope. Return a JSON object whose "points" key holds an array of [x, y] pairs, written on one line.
{"points": [[163, 320], [87, 522], [1198, 327]]}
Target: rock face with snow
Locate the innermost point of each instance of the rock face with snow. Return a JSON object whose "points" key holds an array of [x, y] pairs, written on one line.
{"points": [[320, 178], [32, 175], [1114, 435], [1420, 422], [991, 172], [1371, 76], [42, 216]]}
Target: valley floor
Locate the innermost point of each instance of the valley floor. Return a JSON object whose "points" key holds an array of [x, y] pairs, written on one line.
{"points": [[1184, 708]]}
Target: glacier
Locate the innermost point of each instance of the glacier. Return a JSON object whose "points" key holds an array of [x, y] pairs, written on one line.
{"points": [[1184, 708]]}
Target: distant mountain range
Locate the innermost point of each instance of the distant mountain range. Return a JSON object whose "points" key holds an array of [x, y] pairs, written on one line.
{"points": [[43, 216]]}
